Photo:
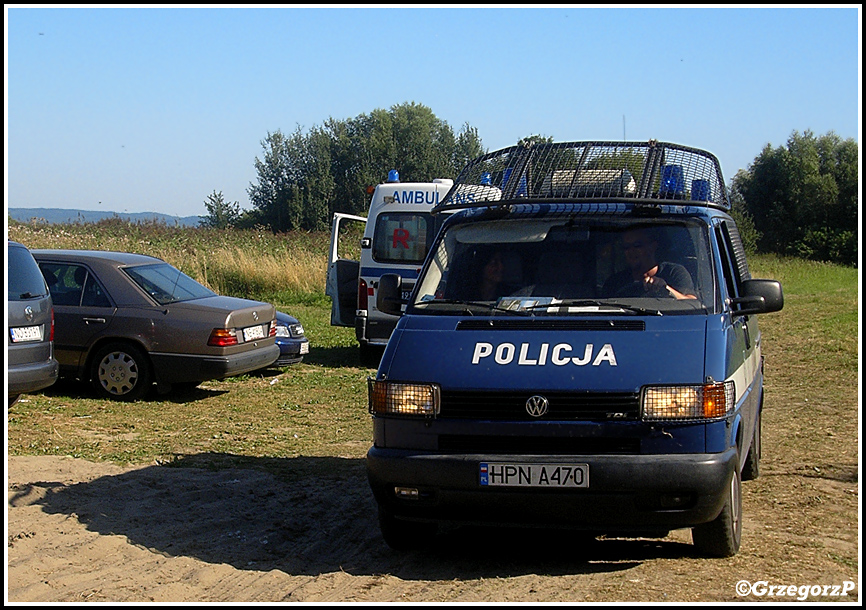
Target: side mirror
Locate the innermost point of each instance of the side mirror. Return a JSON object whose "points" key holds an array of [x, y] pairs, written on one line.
{"points": [[388, 296], [759, 296]]}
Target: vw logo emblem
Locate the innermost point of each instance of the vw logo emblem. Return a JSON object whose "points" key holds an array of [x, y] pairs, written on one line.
{"points": [[28, 313], [537, 405]]}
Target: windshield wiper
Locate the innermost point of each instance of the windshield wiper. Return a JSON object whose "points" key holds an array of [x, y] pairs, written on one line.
{"points": [[487, 306], [584, 302]]}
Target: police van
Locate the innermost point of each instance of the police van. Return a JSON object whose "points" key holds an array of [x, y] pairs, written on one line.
{"points": [[399, 230], [580, 351]]}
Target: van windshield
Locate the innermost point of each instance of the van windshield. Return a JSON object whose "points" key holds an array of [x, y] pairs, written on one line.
{"points": [[561, 267]]}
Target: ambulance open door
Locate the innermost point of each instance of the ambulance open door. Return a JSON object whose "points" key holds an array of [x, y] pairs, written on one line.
{"points": [[342, 281]]}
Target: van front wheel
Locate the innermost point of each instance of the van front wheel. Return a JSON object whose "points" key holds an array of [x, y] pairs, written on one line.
{"points": [[721, 536]]}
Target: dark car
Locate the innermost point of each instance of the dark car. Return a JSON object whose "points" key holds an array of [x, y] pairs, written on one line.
{"points": [[30, 362], [291, 340], [126, 321]]}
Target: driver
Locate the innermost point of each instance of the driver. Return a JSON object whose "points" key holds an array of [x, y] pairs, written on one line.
{"points": [[645, 275]]}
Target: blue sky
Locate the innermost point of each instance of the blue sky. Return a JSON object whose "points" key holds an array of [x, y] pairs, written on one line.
{"points": [[152, 109]]}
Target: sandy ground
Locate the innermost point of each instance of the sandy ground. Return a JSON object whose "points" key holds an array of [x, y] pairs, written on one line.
{"points": [[92, 532]]}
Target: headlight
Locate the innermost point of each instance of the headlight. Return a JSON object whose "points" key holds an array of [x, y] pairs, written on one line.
{"points": [[387, 398], [297, 330], [283, 331], [687, 402]]}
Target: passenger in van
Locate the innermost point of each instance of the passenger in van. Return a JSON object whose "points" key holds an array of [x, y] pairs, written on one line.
{"points": [[490, 282], [484, 273], [646, 276]]}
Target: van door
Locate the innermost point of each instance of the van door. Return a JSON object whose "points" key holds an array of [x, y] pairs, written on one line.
{"points": [[342, 280], [744, 338]]}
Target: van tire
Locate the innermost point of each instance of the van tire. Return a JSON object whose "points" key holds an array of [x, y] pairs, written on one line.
{"points": [[121, 371], [752, 467], [721, 537], [405, 535]]}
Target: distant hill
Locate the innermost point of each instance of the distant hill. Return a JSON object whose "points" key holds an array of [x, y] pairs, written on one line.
{"points": [[58, 216]]}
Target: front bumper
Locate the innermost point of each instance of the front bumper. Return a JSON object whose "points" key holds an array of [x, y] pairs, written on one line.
{"points": [[292, 350], [626, 493]]}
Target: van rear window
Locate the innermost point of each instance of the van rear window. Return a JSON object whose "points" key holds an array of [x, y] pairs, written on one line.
{"points": [[25, 280], [402, 237]]}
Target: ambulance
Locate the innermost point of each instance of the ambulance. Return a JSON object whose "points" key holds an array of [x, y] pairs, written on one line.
{"points": [[581, 351], [399, 229]]}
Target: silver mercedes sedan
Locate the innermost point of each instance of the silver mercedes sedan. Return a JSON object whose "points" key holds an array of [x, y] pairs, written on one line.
{"points": [[125, 322]]}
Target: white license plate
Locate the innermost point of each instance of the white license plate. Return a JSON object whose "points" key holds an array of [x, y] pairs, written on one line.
{"points": [[26, 333], [534, 475], [254, 332], [305, 348]]}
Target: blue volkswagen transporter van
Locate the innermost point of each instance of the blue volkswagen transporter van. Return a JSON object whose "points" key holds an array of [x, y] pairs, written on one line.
{"points": [[581, 349]]}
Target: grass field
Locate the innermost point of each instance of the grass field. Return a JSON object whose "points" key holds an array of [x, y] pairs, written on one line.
{"points": [[318, 407]]}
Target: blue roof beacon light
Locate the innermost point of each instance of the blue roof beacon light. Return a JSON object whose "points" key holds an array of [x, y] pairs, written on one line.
{"points": [[672, 180], [521, 185], [393, 176], [486, 179], [700, 190]]}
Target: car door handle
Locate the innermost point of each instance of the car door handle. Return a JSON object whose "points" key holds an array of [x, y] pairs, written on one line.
{"points": [[94, 320]]}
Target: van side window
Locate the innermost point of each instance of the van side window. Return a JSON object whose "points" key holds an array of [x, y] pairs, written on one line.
{"points": [[739, 252], [402, 237], [733, 269]]}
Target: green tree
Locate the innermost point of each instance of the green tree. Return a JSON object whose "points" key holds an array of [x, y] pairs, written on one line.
{"points": [[749, 235], [467, 146], [269, 196], [803, 197], [535, 139], [317, 181], [221, 214], [304, 178]]}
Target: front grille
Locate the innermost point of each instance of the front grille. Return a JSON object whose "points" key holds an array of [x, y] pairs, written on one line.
{"points": [[511, 406], [538, 445]]}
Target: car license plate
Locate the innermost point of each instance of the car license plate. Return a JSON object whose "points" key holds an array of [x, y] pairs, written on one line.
{"points": [[534, 475], [26, 333], [305, 348], [254, 332]]}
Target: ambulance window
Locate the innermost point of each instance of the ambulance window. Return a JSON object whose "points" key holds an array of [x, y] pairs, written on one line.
{"points": [[402, 237]]}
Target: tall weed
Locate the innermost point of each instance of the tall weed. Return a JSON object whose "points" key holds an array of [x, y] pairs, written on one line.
{"points": [[245, 263]]}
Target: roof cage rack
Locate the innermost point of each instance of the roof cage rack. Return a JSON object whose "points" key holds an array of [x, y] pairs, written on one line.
{"points": [[648, 173]]}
